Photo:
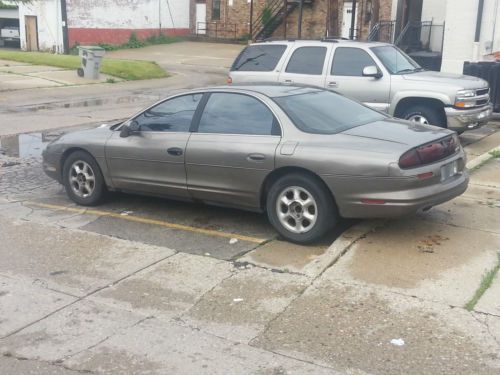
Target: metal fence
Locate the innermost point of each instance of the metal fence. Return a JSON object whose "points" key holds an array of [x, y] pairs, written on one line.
{"points": [[217, 30]]}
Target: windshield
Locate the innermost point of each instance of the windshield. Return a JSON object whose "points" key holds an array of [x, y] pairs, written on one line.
{"points": [[325, 112], [395, 60]]}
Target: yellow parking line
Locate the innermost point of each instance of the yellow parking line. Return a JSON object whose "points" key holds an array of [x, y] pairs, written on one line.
{"points": [[144, 220]]}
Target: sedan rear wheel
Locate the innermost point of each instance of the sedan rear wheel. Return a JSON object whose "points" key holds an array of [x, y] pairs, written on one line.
{"points": [[83, 179], [301, 208]]}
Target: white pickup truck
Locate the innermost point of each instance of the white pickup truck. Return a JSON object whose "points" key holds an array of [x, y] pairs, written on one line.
{"points": [[376, 74], [10, 34]]}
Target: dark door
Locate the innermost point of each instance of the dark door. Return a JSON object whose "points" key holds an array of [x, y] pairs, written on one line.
{"points": [[152, 159], [233, 150]]}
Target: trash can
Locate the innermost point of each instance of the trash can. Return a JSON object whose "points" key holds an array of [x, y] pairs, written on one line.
{"points": [[91, 57]]}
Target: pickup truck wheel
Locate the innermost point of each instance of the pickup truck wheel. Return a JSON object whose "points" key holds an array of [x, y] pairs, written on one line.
{"points": [[301, 208], [424, 115]]}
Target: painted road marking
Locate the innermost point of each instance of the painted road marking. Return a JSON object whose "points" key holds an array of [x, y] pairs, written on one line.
{"points": [[139, 219]]}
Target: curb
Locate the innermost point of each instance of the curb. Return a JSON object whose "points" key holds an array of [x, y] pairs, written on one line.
{"points": [[481, 158]]}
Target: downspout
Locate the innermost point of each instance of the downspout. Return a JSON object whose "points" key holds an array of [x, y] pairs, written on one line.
{"points": [[477, 36], [64, 21], [353, 20]]}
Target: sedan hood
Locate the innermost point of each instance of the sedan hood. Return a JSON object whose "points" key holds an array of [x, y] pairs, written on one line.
{"points": [[465, 82], [405, 133]]}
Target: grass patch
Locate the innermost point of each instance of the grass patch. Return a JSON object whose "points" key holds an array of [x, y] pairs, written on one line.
{"points": [[129, 70], [486, 282], [495, 153]]}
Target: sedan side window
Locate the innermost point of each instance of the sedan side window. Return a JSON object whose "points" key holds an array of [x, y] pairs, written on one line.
{"points": [[307, 60], [349, 61], [228, 113], [174, 115]]}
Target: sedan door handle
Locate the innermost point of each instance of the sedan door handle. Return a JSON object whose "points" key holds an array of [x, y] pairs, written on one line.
{"points": [[176, 151], [288, 81], [256, 157]]}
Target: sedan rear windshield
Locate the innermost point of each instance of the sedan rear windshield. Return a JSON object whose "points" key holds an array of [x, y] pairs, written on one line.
{"points": [[324, 112], [259, 58]]}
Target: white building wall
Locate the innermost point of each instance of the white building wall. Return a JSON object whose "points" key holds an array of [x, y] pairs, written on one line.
{"points": [[128, 14], [48, 13], [460, 30], [434, 10]]}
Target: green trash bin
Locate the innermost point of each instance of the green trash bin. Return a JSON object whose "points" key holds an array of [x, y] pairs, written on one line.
{"points": [[91, 58]]}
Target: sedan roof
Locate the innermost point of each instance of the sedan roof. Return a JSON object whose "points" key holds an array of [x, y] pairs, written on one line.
{"points": [[270, 90]]}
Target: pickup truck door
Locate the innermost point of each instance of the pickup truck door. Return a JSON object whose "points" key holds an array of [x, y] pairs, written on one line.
{"points": [[306, 65], [345, 75]]}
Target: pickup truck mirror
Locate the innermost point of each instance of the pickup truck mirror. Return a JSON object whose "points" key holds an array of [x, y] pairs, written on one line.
{"points": [[372, 71]]}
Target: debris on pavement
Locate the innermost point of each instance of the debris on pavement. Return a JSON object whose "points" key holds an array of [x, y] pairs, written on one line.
{"points": [[232, 241], [126, 213], [398, 342], [237, 299]]}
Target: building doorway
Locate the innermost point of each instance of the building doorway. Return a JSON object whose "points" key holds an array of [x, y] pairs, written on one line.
{"points": [[346, 21], [31, 24]]}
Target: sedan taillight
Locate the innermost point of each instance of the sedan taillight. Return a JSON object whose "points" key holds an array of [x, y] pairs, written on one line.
{"points": [[430, 152]]}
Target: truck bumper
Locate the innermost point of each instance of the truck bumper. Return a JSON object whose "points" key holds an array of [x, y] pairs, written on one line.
{"points": [[460, 120]]}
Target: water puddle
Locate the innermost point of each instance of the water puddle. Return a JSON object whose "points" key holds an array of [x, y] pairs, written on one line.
{"points": [[83, 103], [28, 145]]}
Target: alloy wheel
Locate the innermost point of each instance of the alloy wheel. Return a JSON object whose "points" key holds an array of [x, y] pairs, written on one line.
{"points": [[419, 119], [82, 179], [296, 209]]}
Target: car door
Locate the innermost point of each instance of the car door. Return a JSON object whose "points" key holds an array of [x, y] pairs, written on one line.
{"points": [[306, 65], [346, 77], [232, 151], [152, 159]]}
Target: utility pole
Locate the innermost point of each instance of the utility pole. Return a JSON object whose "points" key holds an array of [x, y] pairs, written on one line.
{"points": [[64, 21], [301, 8], [353, 20]]}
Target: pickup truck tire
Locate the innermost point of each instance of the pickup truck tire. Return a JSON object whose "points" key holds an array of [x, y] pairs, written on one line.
{"points": [[424, 115]]}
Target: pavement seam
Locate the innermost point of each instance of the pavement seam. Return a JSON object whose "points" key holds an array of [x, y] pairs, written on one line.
{"points": [[80, 299], [51, 363], [487, 326], [314, 279]]}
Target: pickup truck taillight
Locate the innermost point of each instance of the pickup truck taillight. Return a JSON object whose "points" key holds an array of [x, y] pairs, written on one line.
{"points": [[430, 152]]}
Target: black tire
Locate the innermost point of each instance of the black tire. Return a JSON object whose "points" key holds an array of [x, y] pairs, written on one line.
{"points": [[433, 115], [326, 210], [98, 186]]}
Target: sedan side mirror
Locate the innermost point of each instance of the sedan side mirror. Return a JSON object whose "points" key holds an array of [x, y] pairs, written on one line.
{"points": [[129, 129], [372, 71]]}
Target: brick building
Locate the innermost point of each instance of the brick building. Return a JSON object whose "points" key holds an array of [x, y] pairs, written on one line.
{"points": [[279, 18], [57, 25]]}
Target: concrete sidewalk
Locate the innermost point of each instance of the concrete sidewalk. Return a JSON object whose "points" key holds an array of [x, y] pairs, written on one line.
{"points": [[387, 297], [21, 76]]}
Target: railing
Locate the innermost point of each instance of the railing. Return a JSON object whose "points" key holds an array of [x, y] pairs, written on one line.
{"points": [[217, 30], [261, 28], [421, 36], [383, 31]]}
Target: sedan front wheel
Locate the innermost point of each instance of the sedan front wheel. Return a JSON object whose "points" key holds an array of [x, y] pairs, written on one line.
{"points": [[83, 179], [301, 208]]}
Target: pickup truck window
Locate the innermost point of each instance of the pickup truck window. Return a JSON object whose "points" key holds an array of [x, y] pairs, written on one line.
{"points": [[259, 58], [324, 112], [349, 61], [307, 60], [396, 61]]}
